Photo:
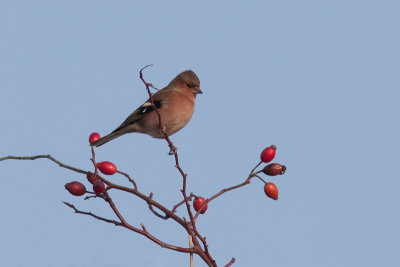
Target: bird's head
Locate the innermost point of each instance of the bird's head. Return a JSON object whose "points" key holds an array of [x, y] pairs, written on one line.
{"points": [[188, 80]]}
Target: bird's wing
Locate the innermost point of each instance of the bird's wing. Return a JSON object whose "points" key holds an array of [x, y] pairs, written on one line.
{"points": [[139, 113]]}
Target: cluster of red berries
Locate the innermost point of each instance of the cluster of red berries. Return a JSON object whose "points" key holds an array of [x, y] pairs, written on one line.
{"points": [[106, 167], [78, 189], [270, 189], [199, 203], [272, 169]]}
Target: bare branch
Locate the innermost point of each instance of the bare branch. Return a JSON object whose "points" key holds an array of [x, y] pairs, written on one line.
{"points": [[183, 201], [143, 232], [260, 178], [129, 178], [231, 262], [164, 217], [93, 215], [246, 182], [93, 159], [45, 157]]}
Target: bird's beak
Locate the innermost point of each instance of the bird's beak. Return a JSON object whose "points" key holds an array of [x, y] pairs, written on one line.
{"points": [[197, 90]]}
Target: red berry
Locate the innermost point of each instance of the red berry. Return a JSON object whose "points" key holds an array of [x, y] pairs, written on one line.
{"points": [[107, 167], [99, 187], [94, 137], [274, 169], [91, 177], [271, 190], [198, 203], [268, 154], [75, 188]]}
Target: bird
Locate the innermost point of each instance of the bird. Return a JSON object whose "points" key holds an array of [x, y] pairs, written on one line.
{"points": [[175, 103]]}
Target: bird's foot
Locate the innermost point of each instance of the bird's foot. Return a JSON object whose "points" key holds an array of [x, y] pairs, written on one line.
{"points": [[173, 150]]}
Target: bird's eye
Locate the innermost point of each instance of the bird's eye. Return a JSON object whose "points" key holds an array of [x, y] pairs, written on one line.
{"points": [[189, 85]]}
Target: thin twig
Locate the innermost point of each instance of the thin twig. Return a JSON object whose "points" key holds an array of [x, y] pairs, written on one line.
{"points": [[260, 178], [109, 184], [246, 182], [252, 171], [129, 178], [45, 157], [231, 262], [93, 215], [123, 223], [144, 231], [181, 202], [93, 159], [164, 217]]}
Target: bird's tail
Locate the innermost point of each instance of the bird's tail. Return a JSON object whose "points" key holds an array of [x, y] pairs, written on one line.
{"points": [[107, 138]]}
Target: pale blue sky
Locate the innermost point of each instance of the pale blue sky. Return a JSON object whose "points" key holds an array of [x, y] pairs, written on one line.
{"points": [[319, 79]]}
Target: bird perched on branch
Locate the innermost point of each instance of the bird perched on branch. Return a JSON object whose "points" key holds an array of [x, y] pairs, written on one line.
{"points": [[175, 104]]}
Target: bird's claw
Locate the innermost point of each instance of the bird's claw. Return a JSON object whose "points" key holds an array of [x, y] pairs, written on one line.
{"points": [[173, 150]]}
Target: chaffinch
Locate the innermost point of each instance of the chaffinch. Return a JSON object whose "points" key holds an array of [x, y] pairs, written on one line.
{"points": [[175, 103]]}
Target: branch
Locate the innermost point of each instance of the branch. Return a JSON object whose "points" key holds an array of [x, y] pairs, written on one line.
{"points": [[93, 159], [124, 224], [164, 217], [231, 262], [246, 182], [129, 178], [183, 201], [109, 184], [143, 231], [93, 215], [45, 157], [190, 227]]}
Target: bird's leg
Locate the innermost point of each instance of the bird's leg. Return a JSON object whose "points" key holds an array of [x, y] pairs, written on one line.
{"points": [[173, 149]]}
